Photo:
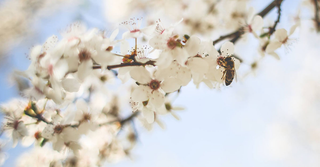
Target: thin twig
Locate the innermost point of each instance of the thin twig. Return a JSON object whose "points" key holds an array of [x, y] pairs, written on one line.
{"points": [[123, 121], [273, 29], [236, 35], [41, 118]]}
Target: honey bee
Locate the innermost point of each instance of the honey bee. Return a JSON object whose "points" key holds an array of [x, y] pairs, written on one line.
{"points": [[229, 72]]}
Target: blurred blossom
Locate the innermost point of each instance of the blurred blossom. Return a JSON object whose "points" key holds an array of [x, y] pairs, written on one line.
{"points": [[18, 17]]}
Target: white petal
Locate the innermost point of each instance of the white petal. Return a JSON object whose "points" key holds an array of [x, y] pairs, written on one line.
{"points": [[213, 52], [141, 75], [293, 28], [257, 23], [114, 34], [177, 108], [175, 116], [227, 49], [124, 47], [123, 74], [60, 69], [272, 46], [69, 134], [128, 34], [48, 132], [50, 43], [170, 85], [85, 69], [184, 76], [181, 55], [250, 15], [84, 128], [281, 34], [35, 52], [175, 24], [58, 145], [148, 114], [156, 99], [15, 137], [149, 30], [71, 84], [27, 141], [82, 105], [140, 94], [275, 55], [236, 63], [193, 45], [198, 65], [164, 60], [162, 110], [104, 58]]}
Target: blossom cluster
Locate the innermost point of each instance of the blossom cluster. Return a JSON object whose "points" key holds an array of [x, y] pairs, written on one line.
{"points": [[71, 108]]}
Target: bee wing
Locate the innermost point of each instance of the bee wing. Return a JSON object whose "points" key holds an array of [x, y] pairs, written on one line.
{"points": [[235, 76], [236, 66]]}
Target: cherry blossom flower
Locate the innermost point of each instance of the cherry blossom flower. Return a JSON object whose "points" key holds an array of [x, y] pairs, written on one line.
{"points": [[86, 117], [3, 155], [142, 56], [39, 156], [133, 26], [146, 109], [151, 88], [254, 23], [60, 133], [281, 38], [175, 70], [198, 68], [34, 134], [262, 49], [173, 49], [213, 78], [16, 127], [168, 108]]}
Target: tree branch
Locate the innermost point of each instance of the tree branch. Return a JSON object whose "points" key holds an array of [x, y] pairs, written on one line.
{"points": [[234, 34], [150, 62]]}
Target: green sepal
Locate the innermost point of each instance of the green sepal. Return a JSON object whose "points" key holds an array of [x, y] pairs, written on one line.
{"points": [[264, 34], [43, 142]]}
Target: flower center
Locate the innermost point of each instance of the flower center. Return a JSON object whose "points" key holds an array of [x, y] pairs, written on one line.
{"points": [[172, 43], [168, 106], [58, 129], [50, 69], [84, 55], [145, 103], [250, 28], [285, 40], [16, 124], [154, 84], [103, 78], [109, 48], [86, 117]]}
